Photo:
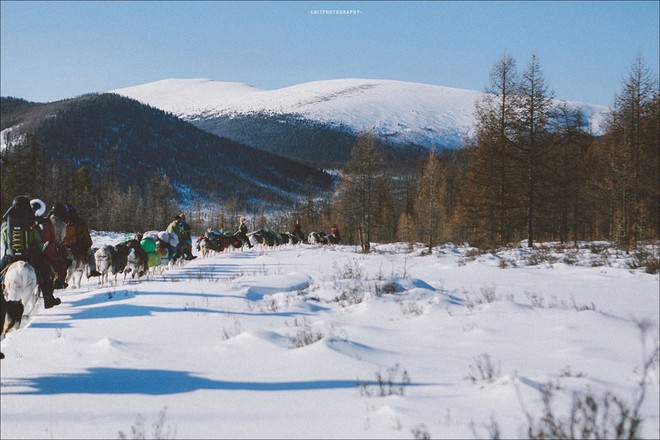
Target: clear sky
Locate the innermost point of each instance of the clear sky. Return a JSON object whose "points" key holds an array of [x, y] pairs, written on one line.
{"points": [[54, 50]]}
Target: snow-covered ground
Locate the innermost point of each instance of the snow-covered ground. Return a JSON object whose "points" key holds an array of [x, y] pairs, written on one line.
{"points": [[325, 342]]}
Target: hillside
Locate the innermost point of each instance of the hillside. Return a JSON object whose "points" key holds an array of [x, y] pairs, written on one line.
{"points": [[305, 120], [111, 134]]}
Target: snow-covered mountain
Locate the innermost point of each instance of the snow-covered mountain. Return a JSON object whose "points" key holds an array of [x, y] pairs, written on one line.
{"points": [[401, 112]]}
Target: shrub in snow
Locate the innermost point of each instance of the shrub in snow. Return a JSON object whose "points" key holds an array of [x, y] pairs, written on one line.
{"points": [[233, 332], [470, 255], [138, 430], [642, 258], [350, 295], [486, 295], [420, 432], [386, 385], [535, 299], [590, 416], [483, 369], [567, 372], [539, 256], [304, 333], [349, 271], [412, 308]]}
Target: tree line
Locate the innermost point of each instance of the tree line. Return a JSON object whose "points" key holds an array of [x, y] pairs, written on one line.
{"points": [[534, 172]]}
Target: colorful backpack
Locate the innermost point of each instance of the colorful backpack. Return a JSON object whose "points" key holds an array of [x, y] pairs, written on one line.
{"points": [[17, 236]]}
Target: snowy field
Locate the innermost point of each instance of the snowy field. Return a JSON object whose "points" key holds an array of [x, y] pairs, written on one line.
{"points": [[325, 342]]}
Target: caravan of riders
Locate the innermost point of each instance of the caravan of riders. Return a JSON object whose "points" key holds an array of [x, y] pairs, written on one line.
{"points": [[56, 243]]}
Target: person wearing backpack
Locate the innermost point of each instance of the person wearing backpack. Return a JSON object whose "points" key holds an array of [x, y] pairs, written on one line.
{"points": [[21, 240], [78, 240]]}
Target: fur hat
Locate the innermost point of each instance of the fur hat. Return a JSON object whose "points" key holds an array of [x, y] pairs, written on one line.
{"points": [[58, 210], [38, 206], [20, 207], [21, 204]]}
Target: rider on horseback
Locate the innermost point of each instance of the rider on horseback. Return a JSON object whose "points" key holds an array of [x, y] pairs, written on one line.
{"points": [[186, 237], [78, 240], [242, 232], [53, 248], [21, 240]]}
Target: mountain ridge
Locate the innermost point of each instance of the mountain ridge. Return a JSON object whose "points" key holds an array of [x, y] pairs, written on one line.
{"points": [[407, 118], [399, 106]]}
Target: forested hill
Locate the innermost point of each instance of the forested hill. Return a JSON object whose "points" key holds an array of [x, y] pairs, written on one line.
{"points": [[118, 139]]}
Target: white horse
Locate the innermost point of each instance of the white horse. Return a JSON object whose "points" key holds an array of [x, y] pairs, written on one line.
{"points": [[20, 284], [103, 259]]}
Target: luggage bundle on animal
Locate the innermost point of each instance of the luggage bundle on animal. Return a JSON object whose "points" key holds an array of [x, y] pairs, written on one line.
{"points": [[153, 259], [169, 237], [214, 235], [161, 239], [218, 240], [148, 244]]}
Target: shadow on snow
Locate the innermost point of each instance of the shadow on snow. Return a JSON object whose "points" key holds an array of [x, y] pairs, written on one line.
{"points": [[130, 310], [160, 382]]}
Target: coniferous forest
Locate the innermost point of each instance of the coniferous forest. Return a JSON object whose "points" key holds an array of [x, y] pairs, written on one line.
{"points": [[533, 173]]}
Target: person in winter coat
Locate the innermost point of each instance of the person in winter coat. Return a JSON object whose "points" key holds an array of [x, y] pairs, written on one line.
{"points": [[242, 232], [186, 237], [334, 235], [297, 231], [78, 240], [53, 249], [21, 240], [175, 227], [58, 217]]}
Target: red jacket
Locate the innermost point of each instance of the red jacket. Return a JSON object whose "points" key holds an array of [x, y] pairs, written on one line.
{"points": [[77, 236], [51, 250]]}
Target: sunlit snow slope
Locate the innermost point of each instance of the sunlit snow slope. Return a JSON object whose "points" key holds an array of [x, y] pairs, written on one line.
{"points": [[424, 114]]}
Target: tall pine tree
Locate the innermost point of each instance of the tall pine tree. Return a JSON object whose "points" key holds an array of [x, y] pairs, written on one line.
{"points": [[431, 198], [362, 177]]}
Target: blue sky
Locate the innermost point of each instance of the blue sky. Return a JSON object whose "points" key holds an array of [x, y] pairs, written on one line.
{"points": [[55, 50]]}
